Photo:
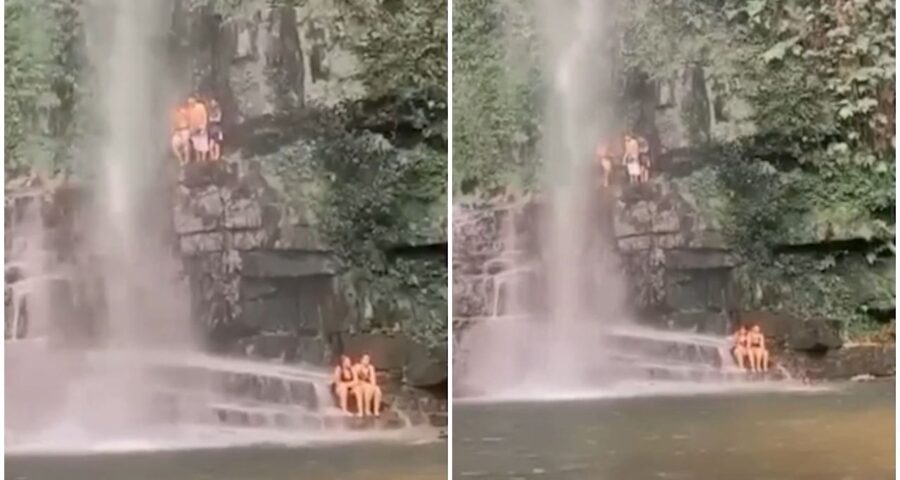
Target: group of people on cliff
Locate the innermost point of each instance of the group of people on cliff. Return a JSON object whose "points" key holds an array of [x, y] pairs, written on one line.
{"points": [[749, 349], [634, 152], [197, 130], [360, 381]]}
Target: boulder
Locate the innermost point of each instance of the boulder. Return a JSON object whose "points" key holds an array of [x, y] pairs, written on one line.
{"points": [[425, 368], [420, 367], [388, 352], [859, 361], [281, 263], [815, 335]]}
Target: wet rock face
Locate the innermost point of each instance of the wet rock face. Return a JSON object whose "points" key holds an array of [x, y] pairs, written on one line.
{"points": [[677, 266], [677, 261], [260, 58], [843, 363], [265, 286]]}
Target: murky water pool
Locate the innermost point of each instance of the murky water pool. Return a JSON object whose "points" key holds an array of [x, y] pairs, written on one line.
{"points": [[354, 461], [843, 433]]}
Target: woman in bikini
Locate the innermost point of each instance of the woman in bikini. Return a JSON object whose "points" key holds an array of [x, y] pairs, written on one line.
{"points": [[371, 392], [345, 383], [740, 348], [759, 356]]}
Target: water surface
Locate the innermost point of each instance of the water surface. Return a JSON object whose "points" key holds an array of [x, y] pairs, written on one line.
{"points": [[845, 433], [355, 461]]}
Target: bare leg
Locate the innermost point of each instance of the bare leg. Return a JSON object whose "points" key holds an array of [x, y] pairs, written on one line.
{"points": [[360, 405], [739, 357], [764, 360], [376, 400], [341, 389], [367, 399], [176, 149]]}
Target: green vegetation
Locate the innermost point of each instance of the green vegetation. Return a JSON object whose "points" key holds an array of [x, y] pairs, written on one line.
{"points": [[44, 87], [791, 124], [496, 90], [381, 164], [388, 191]]}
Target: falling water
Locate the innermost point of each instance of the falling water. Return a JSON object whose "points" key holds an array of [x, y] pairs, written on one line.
{"points": [[141, 381]]}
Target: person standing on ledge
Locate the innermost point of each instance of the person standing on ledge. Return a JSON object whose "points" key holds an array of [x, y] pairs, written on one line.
{"points": [[181, 135], [645, 160], [631, 159], [371, 392], [604, 160], [215, 129], [345, 384], [198, 123]]}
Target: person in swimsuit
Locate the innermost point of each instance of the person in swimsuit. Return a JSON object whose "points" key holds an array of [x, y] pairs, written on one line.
{"points": [[371, 392], [346, 383], [181, 135], [631, 159], [759, 356], [198, 123], [215, 129], [740, 349]]}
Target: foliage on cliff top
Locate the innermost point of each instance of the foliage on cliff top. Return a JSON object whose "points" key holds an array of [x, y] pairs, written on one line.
{"points": [[43, 90], [496, 88]]}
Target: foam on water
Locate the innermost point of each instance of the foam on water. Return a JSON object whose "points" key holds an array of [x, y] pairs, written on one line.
{"points": [[72, 441]]}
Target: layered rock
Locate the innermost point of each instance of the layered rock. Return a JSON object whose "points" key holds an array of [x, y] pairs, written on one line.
{"points": [[679, 268]]}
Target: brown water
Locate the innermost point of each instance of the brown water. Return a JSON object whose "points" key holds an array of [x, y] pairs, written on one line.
{"points": [[358, 461], [843, 434]]}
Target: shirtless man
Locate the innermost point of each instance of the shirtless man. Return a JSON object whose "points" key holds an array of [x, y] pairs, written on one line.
{"points": [[181, 134], [371, 392], [345, 383], [604, 160], [631, 159], [740, 348], [759, 355]]}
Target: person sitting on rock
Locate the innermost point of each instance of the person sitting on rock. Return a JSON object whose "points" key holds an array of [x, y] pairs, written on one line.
{"points": [[215, 129], [741, 347], [368, 383], [198, 123], [759, 355], [631, 159], [345, 384], [181, 134]]}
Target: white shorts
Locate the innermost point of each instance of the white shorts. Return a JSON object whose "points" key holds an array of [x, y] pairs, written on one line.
{"points": [[634, 168], [200, 141]]}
